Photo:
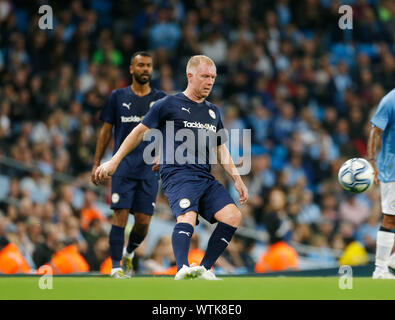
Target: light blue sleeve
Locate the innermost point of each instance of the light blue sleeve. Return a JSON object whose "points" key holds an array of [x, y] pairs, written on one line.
{"points": [[383, 113]]}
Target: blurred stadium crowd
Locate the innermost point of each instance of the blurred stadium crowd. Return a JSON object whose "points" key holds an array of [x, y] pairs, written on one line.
{"points": [[306, 88]]}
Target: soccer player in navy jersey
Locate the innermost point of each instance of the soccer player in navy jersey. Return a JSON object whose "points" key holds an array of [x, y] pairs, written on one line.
{"points": [[134, 185], [190, 187]]}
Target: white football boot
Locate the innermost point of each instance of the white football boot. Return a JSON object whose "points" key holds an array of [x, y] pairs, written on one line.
{"points": [[189, 272], [391, 262], [208, 275], [383, 273], [117, 273]]}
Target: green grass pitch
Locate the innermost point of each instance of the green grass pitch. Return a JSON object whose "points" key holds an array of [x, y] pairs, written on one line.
{"points": [[164, 288]]}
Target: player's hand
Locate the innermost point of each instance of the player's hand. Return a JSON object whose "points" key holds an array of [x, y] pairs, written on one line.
{"points": [[104, 171], [242, 190], [155, 166], [93, 178]]}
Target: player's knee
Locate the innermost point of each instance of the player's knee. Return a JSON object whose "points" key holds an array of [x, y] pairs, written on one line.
{"points": [[189, 217], [141, 223], [233, 218], [236, 217], [141, 230], [142, 219], [388, 222]]}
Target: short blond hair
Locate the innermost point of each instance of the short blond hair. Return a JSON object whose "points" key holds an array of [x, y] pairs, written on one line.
{"points": [[195, 61]]}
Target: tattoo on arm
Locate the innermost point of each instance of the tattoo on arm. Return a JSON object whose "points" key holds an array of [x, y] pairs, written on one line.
{"points": [[374, 136]]}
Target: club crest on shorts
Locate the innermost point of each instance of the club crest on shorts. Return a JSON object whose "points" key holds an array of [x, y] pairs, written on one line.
{"points": [[211, 113], [185, 203], [115, 198]]}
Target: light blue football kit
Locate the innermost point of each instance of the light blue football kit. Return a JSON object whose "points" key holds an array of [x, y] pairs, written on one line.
{"points": [[385, 120]]}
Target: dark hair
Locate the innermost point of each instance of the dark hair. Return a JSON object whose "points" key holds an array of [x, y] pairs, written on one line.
{"points": [[140, 53]]}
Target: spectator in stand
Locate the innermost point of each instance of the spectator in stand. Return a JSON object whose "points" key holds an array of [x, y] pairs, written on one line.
{"points": [[98, 253], [68, 260], [165, 33], [46, 248], [89, 211], [310, 213], [352, 210], [279, 256], [161, 260], [11, 259]]}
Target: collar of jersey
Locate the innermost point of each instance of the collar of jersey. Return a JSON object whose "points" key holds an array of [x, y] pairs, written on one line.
{"points": [[193, 102], [132, 92]]}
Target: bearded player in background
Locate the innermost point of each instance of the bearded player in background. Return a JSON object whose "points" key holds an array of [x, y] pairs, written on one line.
{"points": [[134, 185]]}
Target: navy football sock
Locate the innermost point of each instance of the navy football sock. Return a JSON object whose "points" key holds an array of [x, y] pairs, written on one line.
{"points": [[117, 238], [134, 241], [217, 244], [181, 240]]}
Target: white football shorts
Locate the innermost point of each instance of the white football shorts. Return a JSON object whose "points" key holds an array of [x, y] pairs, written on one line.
{"points": [[387, 190]]}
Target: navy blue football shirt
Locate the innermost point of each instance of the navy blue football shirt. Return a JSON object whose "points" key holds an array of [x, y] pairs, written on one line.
{"points": [[202, 121], [125, 110]]}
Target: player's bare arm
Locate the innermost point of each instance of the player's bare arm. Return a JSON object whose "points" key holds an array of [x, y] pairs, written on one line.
{"points": [[225, 159], [155, 166], [374, 137], [129, 144], [101, 146]]}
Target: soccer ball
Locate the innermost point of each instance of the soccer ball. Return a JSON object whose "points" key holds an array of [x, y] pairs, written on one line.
{"points": [[356, 175]]}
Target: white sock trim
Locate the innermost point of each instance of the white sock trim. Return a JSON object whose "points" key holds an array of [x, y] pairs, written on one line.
{"points": [[385, 239], [127, 254], [384, 244]]}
